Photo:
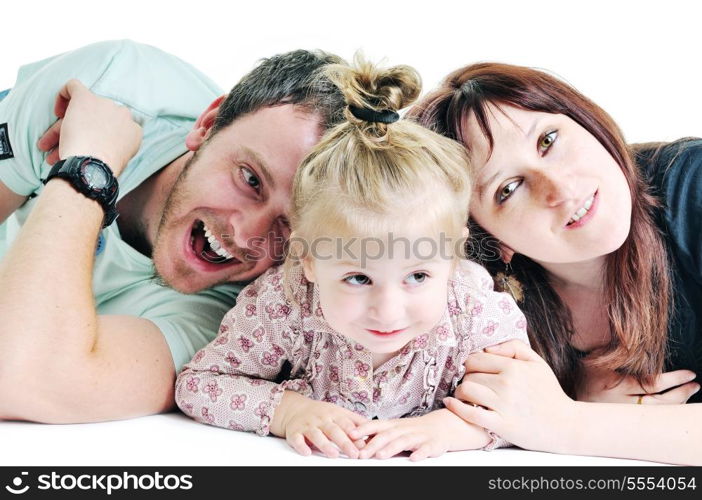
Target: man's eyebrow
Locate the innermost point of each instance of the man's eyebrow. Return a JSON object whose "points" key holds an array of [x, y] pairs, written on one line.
{"points": [[265, 171]]}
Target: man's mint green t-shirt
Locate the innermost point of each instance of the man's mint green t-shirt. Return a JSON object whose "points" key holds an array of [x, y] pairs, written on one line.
{"points": [[165, 95]]}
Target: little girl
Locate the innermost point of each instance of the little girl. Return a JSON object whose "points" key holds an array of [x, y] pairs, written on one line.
{"points": [[375, 310]]}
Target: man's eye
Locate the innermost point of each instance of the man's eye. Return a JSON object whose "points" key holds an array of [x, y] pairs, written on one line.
{"points": [[357, 279], [507, 191], [250, 179], [417, 278], [547, 141]]}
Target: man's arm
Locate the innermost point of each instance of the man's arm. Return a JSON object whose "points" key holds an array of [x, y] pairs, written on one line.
{"points": [[128, 374], [9, 202], [61, 362]]}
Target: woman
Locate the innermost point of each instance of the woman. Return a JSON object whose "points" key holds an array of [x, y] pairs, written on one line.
{"points": [[601, 247]]}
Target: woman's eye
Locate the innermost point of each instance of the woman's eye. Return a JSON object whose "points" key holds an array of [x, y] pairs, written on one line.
{"points": [[547, 141], [417, 278], [251, 179], [357, 279], [507, 191]]}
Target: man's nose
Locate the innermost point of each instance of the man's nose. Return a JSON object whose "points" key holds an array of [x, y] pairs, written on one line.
{"points": [[252, 226]]}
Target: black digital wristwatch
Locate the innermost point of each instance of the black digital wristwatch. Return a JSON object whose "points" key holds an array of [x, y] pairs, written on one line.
{"points": [[93, 178]]}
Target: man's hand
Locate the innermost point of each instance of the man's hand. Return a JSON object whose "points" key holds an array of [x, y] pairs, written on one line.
{"points": [[430, 435], [324, 425], [89, 125]]}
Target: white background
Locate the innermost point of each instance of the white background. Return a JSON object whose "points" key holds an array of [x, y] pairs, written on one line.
{"points": [[639, 60]]}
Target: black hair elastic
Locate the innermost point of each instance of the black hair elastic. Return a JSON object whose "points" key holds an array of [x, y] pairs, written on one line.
{"points": [[370, 115]]}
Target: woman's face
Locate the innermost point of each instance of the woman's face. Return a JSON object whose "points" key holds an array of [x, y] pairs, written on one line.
{"points": [[548, 190]]}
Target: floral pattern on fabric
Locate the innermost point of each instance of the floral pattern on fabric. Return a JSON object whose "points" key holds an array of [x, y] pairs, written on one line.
{"points": [[232, 383]]}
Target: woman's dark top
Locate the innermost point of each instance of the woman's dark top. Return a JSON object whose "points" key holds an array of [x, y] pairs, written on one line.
{"points": [[674, 172]]}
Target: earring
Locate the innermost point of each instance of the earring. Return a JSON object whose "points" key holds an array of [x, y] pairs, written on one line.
{"points": [[510, 284]]}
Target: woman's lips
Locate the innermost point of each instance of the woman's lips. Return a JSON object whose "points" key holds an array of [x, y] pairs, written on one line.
{"points": [[589, 215]]}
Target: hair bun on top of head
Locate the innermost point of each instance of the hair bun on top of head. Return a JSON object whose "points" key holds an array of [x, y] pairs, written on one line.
{"points": [[373, 94], [373, 116]]}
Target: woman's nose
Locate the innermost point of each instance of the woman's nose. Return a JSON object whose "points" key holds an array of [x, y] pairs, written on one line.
{"points": [[556, 186]]}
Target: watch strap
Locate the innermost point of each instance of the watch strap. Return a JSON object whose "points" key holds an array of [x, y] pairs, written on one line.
{"points": [[70, 169]]}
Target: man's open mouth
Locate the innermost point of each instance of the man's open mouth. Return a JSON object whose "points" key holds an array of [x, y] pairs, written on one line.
{"points": [[207, 246]]}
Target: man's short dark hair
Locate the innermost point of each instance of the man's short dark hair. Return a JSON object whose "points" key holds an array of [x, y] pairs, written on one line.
{"points": [[289, 78]]}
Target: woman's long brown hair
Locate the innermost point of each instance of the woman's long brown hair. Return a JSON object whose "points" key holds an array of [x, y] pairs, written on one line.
{"points": [[637, 283]]}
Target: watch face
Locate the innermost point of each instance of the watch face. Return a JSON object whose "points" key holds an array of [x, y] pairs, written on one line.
{"points": [[94, 176]]}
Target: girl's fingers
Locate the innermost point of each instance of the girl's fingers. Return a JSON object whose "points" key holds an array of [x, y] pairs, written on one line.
{"points": [[349, 427], [298, 443], [341, 439], [322, 443], [368, 428], [360, 443], [398, 445], [378, 442], [356, 418], [424, 451]]}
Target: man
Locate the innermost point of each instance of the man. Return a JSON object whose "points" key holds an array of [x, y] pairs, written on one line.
{"points": [[87, 332]]}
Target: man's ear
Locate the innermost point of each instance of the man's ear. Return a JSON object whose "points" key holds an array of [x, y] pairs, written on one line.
{"points": [[196, 137]]}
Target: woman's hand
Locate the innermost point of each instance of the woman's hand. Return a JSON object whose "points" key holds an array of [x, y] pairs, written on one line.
{"points": [[430, 435], [324, 425], [89, 125], [518, 395], [605, 386]]}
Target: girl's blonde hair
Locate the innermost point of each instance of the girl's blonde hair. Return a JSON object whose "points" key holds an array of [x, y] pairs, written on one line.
{"points": [[369, 178]]}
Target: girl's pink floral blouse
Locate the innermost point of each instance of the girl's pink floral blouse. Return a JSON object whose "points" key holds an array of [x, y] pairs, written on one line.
{"points": [[267, 344]]}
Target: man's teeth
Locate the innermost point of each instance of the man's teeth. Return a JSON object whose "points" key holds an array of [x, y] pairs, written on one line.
{"points": [[581, 213], [215, 245]]}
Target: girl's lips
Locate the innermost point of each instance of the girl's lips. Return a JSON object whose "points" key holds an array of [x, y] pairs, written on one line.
{"points": [[589, 215], [387, 334]]}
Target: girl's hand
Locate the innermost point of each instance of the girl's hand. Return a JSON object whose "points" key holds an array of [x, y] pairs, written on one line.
{"points": [[430, 435], [518, 395], [324, 425], [603, 386], [89, 125]]}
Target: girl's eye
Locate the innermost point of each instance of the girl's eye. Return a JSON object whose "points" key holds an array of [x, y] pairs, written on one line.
{"points": [[507, 191], [547, 141], [417, 278], [250, 179], [357, 279]]}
